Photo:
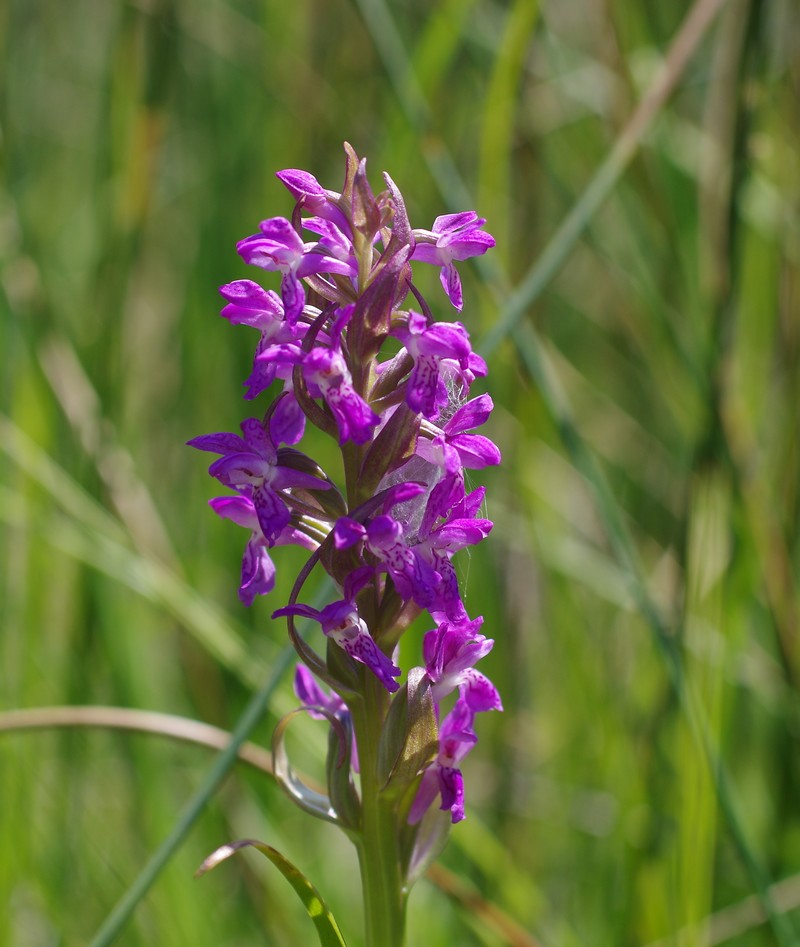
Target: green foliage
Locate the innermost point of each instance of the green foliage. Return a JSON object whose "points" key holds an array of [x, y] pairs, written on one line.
{"points": [[327, 929], [641, 315]]}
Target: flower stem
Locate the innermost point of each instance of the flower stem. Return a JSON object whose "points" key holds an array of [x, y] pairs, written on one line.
{"points": [[378, 850]]}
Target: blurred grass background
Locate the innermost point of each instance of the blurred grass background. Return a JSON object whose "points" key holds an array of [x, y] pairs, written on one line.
{"points": [[641, 579]]}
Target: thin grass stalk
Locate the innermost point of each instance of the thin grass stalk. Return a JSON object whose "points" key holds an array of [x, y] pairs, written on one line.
{"points": [[624, 550], [253, 713], [94, 716], [495, 188], [692, 31]]}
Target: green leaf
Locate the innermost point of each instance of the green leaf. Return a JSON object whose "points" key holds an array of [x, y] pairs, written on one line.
{"points": [[341, 788], [308, 799], [409, 737], [325, 923]]}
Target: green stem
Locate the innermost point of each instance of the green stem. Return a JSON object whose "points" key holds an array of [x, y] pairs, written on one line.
{"points": [[253, 713], [378, 849]]}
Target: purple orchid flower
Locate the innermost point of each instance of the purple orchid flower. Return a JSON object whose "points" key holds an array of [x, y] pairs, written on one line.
{"points": [[453, 237], [333, 241], [413, 577], [249, 304], [341, 622], [326, 374], [437, 543], [311, 196], [305, 188], [311, 695], [287, 424], [328, 370], [451, 652], [452, 448], [250, 465], [278, 247], [428, 345], [315, 699], [408, 434], [258, 570], [443, 777]]}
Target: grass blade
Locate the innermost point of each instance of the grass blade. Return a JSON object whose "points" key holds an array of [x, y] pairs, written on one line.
{"points": [[325, 923]]}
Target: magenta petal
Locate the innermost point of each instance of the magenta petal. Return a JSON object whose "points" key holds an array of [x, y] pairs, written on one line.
{"points": [[288, 423], [439, 452], [308, 192], [422, 382], [316, 260], [354, 417], [333, 240], [426, 793], [249, 295], [280, 354], [287, 477], [305, 611], [403, 492], [426, 253], [238, 509], [447, 340], [477, 365], [444, 496], [470, 415], [257, 438], [347, 533], [258, 572], [363, 648], [312, 695], [451, 282], [424, 580], [456, 736], [464, 246], [383, 533], [261, 377], [449, 594], [280, 232], [306, 688], [218, 443], [232, 470], [450, 652], [471, 503], [293, 295], [273, 514], [476, 451], [269, 254], [301, 184], [479, 692], [447, 223], [451, 786], [417, 323], [459, 533], [328, 370]]}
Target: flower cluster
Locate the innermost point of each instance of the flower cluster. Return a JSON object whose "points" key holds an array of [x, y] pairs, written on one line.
{"points": [[350, 345]]}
